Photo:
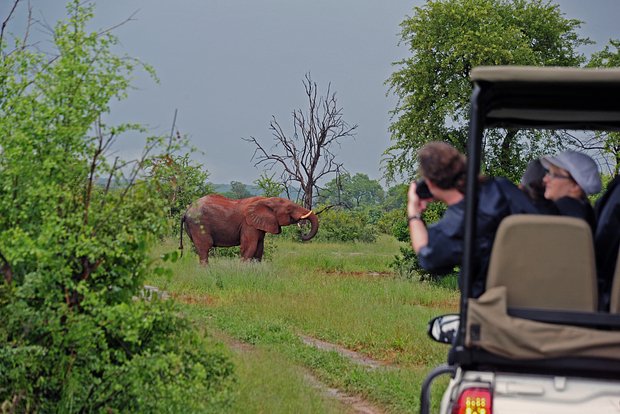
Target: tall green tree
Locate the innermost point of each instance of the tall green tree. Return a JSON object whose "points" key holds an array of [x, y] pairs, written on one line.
{"points": [[75, 231], [607, 142], [352, 191], [446, 39], [396, 197], [238, 190]]}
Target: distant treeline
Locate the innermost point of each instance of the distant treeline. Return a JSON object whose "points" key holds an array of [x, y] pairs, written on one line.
{"points": [[252, 190]]}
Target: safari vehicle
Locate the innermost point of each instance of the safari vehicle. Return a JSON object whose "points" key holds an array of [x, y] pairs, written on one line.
{"points": [[534, 341]]}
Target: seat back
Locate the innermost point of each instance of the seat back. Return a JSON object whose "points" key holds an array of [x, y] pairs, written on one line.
{"points": [[545, 262], [614, 306]]}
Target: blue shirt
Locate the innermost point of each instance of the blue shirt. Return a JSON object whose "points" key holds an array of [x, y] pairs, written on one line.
{"points": [[445, 245]]}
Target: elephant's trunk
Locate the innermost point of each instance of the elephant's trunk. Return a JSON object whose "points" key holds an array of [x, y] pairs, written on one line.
{"points": [[314, 220]]}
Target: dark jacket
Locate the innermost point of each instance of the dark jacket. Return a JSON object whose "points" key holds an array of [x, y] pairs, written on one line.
{"points": [[607, 238], [572, 207], [545, 206], [497, 199]]}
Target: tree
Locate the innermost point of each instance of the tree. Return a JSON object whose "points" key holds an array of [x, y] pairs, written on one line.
{"points": [[306, 156], [75, 233], [607, 143], [353, 191], [269, 186], [179, 181], [396, 197], [447, 38], [238, 191]]}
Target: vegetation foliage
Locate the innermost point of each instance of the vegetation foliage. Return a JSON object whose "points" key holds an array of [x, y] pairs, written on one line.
{"points": [[608, 143], [76, 335], [447, 38], [352, 191], [342, 293], [178, 180], [345, 226]]}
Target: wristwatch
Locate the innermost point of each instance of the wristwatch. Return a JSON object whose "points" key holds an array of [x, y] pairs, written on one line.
{"points": [[414, 217]]}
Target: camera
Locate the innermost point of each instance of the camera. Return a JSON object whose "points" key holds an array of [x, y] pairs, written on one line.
{"points": [[421, 189]]}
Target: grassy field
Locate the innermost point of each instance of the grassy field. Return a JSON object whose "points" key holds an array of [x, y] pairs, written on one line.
{"points": [[344, 294]]}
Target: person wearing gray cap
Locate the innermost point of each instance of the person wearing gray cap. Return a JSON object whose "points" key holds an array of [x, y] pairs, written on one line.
{"points": [[571, 177]]}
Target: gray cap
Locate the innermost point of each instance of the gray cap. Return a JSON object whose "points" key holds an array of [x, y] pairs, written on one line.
{"points": [[580, 166]]}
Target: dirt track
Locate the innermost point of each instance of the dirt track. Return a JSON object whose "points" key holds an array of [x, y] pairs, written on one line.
{"points": [[356, 403]]}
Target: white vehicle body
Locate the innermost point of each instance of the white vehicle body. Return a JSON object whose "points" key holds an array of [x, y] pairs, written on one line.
{"points": [[541, 394]]}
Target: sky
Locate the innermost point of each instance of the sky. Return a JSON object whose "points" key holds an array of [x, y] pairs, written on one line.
{"points": [[228, 66]]}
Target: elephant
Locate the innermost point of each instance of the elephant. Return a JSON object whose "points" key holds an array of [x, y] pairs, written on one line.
{"points": [[217, 221]]}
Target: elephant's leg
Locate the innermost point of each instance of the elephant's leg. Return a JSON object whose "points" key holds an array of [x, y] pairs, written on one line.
{"points": [[260, 249], [248, 247], [203, 242]]}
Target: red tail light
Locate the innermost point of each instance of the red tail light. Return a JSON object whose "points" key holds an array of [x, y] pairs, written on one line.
{"points": [[473, 401]]}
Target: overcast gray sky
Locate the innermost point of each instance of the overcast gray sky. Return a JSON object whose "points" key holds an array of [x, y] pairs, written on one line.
{"points": [[228, 66]]}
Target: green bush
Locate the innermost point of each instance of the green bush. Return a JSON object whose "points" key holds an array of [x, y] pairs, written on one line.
{"points": [[406, 265], [338, 225], [75, 234], [179, 181], [394, 223], [129, 357]]}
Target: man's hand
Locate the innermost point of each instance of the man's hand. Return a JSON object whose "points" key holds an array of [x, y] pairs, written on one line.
{"points": [[415, 205]]}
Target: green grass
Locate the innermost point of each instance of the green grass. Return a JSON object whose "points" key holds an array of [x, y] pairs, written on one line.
{"points": [[261, 390], [341, 293]]}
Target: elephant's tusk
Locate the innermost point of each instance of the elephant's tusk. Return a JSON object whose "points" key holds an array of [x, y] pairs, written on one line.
{"points": [[305, 216]]}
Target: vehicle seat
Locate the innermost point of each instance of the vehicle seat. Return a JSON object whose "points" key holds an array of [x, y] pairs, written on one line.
{"points": [[614, 306], [545, 262]]}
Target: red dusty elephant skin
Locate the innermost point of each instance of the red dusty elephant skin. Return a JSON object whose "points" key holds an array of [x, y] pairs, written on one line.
{"points": [[217, 221]]}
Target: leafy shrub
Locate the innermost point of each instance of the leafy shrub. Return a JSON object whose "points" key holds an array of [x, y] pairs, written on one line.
{"points": [[373, 214], [75, 234], [406, 265], [338, 225], [394, 223], [128, 357], [179, 181]]}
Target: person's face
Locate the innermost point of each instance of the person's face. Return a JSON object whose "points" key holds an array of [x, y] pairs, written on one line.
{"points": [[559, 183]]}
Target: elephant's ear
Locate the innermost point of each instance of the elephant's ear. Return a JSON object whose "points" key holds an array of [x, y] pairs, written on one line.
{"points": [[260, 216]]}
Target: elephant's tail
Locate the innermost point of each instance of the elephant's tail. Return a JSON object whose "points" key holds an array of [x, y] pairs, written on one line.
{"points": [[181, 234]]}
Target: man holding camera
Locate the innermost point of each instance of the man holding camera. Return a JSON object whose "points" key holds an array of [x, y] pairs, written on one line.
{"points": [[440, 246]]}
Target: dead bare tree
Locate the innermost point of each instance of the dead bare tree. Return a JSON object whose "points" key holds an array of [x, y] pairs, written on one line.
{"points": [[307, 155], [603, 146]]}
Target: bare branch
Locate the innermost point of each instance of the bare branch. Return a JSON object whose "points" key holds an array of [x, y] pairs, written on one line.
{"points": [[116, 26], [170, 140], [6, 21], [109, 181], [306, 155]]}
